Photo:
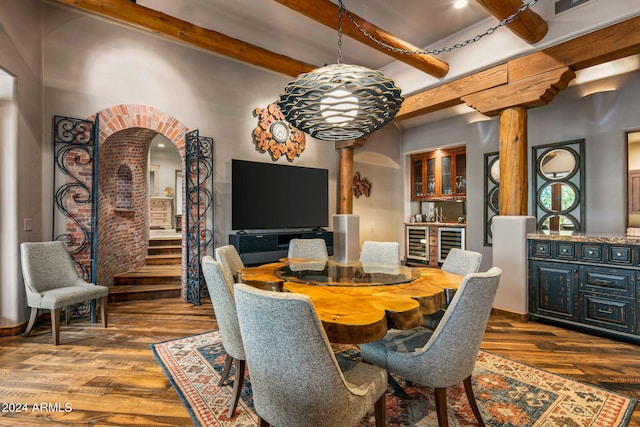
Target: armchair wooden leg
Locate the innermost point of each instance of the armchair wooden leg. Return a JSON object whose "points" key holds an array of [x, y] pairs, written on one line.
{"points": [[55, 325], [381, 411], [103, 311], [262, 423], [67, 314], [468, 388], [32, 321], [228, 362], [237, 387], [441, 407]]}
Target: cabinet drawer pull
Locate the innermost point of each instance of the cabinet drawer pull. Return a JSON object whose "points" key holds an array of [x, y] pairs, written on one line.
{"points": [[619, 254], [602, 282], [564, 251], [603, 311], [590, 252], [540, 249]]}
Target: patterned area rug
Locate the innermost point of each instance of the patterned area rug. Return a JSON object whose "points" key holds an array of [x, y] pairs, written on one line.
{"points": [[508, 393]]}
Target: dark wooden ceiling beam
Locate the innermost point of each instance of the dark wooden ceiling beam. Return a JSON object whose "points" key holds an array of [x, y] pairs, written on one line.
{"points": [[326, 12], [600, 46], [528, 25], [165, 25]]}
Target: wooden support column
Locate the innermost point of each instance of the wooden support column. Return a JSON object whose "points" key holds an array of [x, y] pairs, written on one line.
{"points": [[513, 161], [345, 181]]}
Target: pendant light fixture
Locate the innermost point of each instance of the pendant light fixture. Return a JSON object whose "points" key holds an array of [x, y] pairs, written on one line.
{"points": [[340, 102]]}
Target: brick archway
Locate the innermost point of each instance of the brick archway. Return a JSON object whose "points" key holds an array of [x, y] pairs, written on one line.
{"points": [[130, 128]]}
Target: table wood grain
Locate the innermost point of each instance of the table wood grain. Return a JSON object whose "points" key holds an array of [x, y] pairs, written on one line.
{"points": [[361, 314]]}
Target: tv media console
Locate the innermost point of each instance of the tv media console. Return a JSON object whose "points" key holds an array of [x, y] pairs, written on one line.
{"points": [[261, 248]]}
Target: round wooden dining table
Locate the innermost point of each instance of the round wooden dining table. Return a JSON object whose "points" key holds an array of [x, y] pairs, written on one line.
{"points": [[358, 303]]}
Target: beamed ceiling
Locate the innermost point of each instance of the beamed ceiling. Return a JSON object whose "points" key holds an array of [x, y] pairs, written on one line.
{"points": [[294, 36]]}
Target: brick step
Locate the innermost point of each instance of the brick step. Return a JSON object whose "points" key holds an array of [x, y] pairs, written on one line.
{"points": [[143, 292], [164, 259], [164, 250]]}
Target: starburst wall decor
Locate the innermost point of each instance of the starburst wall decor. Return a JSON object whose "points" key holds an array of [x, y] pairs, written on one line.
{"points": [[275, 135]]}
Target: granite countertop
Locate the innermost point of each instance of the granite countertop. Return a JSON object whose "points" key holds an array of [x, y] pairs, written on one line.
{"points": [[615, 238], [438, 224]]}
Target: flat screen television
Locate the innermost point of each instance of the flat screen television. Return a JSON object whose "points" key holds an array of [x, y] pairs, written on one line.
{"points": [[270, 196]]}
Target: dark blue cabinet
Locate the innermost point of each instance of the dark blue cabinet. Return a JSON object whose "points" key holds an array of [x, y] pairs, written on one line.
{"points": [[590, 285]]}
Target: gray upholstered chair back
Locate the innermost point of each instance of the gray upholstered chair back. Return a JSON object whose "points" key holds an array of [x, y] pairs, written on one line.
{"points": [[221, 292], [46, 266], [308, 248], [450, 354], [460, 261], [380, 252], [295, 377], [230, 259]]}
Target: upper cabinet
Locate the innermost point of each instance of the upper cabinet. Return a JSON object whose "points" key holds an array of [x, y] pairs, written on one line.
{"points": [[440, 174]]}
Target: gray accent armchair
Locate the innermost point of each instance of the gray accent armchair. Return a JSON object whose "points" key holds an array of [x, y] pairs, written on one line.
{"points": [[380, 252], [308, 248], [220, 286], [52, 282], [230, 259], [444, 357], [295, 377]]}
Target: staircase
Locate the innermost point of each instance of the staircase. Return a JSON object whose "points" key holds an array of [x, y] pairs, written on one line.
{"points": [[160, 278]]}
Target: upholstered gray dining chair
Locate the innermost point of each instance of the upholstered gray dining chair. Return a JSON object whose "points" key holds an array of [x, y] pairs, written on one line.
{"points": [[308, 248], [52, 282], [230, 260], [461, 261], [220, 286], [380, 252], [458, 261], [444, 357], [295, 377]]}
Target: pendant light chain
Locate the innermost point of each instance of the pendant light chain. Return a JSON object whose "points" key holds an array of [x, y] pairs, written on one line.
{"points": [[437, 51], [340, 9]]}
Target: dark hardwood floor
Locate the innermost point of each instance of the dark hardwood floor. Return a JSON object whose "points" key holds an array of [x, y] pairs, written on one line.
{"points": [[109, 377]]}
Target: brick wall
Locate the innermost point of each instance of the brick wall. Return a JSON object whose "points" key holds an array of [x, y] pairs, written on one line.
{"points": [[126, 132]]}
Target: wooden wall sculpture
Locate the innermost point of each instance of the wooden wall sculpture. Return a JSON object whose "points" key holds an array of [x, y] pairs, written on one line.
{"points": [[361, 187], [275, 135]]}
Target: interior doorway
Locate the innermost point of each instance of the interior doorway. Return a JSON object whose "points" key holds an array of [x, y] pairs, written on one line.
{"points": [[633, 179]]}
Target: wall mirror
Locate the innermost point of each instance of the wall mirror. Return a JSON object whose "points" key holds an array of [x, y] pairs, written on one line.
{"points": [[491, 193], [558, 184]]}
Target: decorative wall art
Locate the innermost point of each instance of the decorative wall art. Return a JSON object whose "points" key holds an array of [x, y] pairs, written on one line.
{"points": [[275, 135], [361, 187]]}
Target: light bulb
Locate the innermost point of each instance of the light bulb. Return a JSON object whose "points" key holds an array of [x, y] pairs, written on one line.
{"points": [[339, 106]]}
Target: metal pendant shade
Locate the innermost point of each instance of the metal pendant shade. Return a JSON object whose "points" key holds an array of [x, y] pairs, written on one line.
{"points": [[340, 102]]}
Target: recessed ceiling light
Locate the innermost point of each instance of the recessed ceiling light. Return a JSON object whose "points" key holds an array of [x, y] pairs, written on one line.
{"points": [[161, 145], [459, 4]]}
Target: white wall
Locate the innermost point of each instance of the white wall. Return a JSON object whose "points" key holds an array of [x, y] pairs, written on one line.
{"points": [[91, 64], [20, 157]]}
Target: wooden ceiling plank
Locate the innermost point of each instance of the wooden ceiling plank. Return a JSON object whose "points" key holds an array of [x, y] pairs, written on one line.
{"points": [[528, 25], [534, 91], [165, 25], [449, 94], [326, 12], [613, 42]]}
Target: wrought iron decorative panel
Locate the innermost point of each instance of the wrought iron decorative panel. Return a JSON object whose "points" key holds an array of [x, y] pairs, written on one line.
{"points": [[75, 195], [75, 145], [199, 210]]}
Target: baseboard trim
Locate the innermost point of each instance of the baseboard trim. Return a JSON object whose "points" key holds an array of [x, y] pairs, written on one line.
{"points": [[511, 315], [9, 331]]}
